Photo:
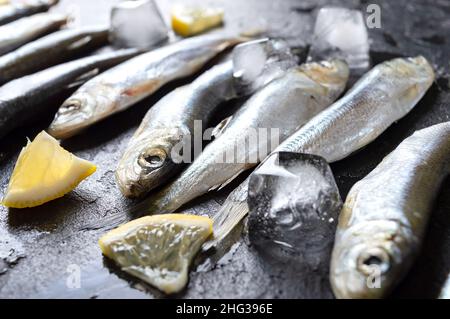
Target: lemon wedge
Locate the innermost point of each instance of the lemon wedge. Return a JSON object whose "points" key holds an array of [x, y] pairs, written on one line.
{"points": [[158, 249], [44, 171], [188, 21]]}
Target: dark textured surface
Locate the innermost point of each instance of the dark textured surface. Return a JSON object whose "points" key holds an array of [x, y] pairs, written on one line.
{"points": [[37, 245]]}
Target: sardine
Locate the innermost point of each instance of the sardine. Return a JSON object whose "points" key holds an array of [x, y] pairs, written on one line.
{"points": [[152, 156], [17, 10], [19, 32], [130, 82], [148, 161], [23, 100], [283, 105], [385, 216], [382, 96], [50, 50]]}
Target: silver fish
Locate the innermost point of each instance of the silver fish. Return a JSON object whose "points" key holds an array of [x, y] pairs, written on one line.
{"points": [[19, 32], [169, 127], [16, 10], [128, 83], [148, 161], [385, 216], [23, 99], [382, 96], [284, 104], [50, 50]]}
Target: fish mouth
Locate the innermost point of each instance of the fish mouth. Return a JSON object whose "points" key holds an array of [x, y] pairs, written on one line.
{"points": [[356, 273], [374, 260], [417, 67], [69, 119], [129, 189]]}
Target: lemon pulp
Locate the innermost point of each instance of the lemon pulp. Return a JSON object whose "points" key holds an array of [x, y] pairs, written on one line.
{"points": [[158, 249], [44, 171], [190, 21]]}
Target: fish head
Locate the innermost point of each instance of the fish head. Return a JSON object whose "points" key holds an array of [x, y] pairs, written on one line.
{"points": [[150, 159], [411, 76], [81, 110], [332, 74], [369, 259]]}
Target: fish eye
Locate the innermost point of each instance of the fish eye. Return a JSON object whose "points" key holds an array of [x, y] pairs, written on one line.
{"points": [[152, 159], [71, 106], [372, 260]]}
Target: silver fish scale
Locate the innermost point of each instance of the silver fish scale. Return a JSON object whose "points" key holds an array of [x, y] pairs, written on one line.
{"points": [[382, 96], [385, 215]]}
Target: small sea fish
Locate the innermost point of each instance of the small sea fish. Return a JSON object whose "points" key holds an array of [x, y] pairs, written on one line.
{"points": [[19, 32], [385, 216], [20, 9], [50, 50], [382, 96], [169, 128], [148, 160], [22, 100], [284, 104], [130, 82]]}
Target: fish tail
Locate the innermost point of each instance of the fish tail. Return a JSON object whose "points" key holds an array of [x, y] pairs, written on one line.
{"points": [[107, 223], [146, 207], [228, 217]]}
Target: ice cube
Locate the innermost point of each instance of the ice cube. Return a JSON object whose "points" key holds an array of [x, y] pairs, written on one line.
{"points": [[294, 204], [137, 24], [256, 63], [341, 33]]}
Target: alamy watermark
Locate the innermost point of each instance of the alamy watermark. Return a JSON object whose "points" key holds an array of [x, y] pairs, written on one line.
{"points": [[73, 280], [251, 146], [373, 18]]}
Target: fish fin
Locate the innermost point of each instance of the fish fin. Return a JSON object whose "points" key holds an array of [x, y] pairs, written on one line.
{"points": [[117, 218], [107, 223], [79, 43], [218, 130], [83, 78], [226, 219], [220, 186]]}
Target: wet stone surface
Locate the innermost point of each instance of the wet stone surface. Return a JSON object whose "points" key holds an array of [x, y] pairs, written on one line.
{"points": [[52, 248]]}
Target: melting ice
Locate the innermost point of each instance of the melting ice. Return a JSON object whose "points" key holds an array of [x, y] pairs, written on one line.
{"points": [[256, 63], [137, 24], [294, 203], [341, 33]]}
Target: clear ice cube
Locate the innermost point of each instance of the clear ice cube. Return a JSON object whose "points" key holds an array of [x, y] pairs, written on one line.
{"points": [[256, 63], [137, 24], [341, 33], [294, 205]]}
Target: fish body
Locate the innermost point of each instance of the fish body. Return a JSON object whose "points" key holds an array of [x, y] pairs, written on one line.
{"points": [[284, 104], [148, 160], [130, 82], [50, 50], [382, 96], [20, 98], [19, 32], [17, 10], [172, 125], [384, 218]]}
